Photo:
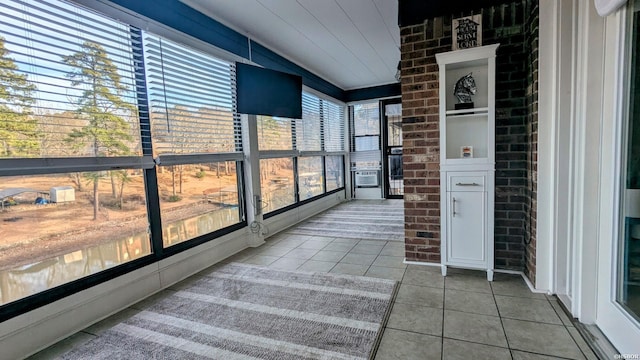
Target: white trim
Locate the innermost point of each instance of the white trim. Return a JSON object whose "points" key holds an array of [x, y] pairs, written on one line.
{"points": [[617, 324], [368, 101], [546, 144], [408, 262], [526, 280], [513, 272]]}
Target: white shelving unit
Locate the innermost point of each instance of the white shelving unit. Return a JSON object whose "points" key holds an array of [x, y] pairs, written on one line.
{"points": [[467, 178]]}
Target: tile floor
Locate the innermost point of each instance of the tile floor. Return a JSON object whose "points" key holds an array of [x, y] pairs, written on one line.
{"points": [[461, 316]]}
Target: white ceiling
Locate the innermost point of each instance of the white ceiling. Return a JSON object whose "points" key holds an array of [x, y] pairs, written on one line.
{"points": [[350, 43]]}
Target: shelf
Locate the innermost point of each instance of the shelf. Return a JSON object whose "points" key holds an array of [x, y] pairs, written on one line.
{"points": [[474, 111]]}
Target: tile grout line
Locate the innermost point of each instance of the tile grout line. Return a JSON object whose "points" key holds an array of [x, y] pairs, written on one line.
{"points": [[444, 291], [567, 328], [504, 331]]}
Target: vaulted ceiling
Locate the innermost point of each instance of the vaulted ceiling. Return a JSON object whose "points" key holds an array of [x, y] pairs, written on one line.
{"points": [[350, 43]]}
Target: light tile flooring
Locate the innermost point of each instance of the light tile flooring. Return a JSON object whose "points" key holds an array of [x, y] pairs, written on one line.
{"points": [[461, 316]]}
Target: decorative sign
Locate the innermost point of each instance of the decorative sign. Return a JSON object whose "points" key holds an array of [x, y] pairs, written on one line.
{"points": [[467, 32]]}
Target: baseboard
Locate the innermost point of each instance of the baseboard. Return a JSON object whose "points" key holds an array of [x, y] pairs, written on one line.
{"points": [[525, 278], [514, 272], [409, 262]]}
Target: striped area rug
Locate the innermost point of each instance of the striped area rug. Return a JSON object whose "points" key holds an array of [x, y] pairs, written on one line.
{"points": [[241, 311], [360, 219]]}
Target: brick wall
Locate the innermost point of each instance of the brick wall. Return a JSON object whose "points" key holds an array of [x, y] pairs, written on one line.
{"points": [[420, 131], [504, 24]]}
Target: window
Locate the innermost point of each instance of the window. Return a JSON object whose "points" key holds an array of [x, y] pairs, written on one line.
{"points": [[277, 183], [117, 144], [335, 172], [71, 164], [196, 137], [310, 177], [365, 125], [309, 128], [202, 198], [274, 133], [295, 152]]}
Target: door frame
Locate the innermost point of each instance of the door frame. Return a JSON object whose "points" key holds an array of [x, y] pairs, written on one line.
{"points": [[596, 138], [621, 328]]}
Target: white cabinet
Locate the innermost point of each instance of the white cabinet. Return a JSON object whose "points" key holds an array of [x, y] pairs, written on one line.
{"points": [[467, 157]]}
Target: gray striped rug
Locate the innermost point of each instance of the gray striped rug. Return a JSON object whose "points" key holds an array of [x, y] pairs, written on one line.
{"points": [[360, 219], [242, 311]]}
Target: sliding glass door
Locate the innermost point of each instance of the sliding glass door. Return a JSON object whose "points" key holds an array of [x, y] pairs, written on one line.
{"points": [[628, 294]]}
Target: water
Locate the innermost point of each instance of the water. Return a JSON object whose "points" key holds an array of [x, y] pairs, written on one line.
{"points": [[33, 278]]}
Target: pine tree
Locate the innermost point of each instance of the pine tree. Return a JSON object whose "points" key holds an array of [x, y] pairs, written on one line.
{"points": [[18, 129], [107, 133]]}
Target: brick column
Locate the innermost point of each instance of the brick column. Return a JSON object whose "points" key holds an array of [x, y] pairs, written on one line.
{"points": [[512, 26]]}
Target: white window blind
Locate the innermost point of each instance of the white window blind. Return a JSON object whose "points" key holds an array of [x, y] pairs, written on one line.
{"points": [[192, 99], [274, 133], [334, 129], [308, 129], [67, 82]]}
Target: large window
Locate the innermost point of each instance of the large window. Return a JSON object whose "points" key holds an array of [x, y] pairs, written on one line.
{"points": [[72, 187], [101, 125], [119, 147], [301, 158], [365, 148], [196, 139]]}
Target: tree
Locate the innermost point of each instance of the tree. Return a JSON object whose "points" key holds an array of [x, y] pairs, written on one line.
{"points": [[18, 129], [123, 179], [106, 132]]}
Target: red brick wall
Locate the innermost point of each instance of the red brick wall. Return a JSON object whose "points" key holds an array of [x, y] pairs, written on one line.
{"points": [[421, 147], [508, 25]]}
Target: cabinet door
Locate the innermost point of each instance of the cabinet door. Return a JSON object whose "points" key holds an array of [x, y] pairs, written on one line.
{"points": [[466, 228]]}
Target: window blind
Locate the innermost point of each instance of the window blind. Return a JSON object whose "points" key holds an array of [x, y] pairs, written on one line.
{"points": [[67, 82], [365, 140], [192, 100], [308, 130], [274, 133], [366, 119], [334, 129]]}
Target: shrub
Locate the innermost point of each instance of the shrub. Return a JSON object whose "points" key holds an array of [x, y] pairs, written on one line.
{"points": [[200, 174], [174, 198]]}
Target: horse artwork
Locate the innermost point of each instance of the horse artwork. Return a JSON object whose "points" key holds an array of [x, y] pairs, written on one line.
{"points": [[465, 87]]}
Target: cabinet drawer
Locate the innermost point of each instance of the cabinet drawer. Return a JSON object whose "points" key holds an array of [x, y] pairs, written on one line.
{"points": [[466, 183]]}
